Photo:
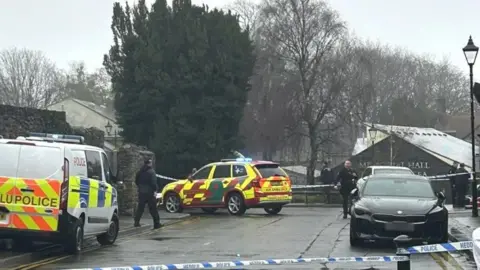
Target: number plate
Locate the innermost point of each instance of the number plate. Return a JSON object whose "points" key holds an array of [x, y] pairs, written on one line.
{"points": [[276, 183], [399, 227], [275, 189], [275, 198]]}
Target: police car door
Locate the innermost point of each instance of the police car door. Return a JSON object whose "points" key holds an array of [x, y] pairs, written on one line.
{"points": [[97, 213]]}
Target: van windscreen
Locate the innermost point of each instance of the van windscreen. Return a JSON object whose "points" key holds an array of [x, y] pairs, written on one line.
{"points": [[37, 162]]}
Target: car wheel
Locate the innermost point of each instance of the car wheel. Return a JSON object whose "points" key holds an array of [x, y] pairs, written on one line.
{"points": [[172, 203], [273, 210], [354, 241], [74, 240], [110, 236], [209, 210], [236, 204]]}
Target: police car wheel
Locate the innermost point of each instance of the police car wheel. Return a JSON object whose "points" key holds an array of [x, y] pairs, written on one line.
{"points": [[110, 236], [172, 203], [273, 210], [74, 242], [236, 204]]}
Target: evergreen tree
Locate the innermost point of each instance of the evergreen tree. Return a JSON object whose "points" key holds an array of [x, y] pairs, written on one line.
{"points": [[180, 77]]}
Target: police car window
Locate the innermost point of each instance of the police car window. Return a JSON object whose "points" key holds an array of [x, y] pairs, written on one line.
{"points": [[202, 174], [222, 171], [94, 165], [239, 170], [106, 167], [9, 159], [39, 162]]}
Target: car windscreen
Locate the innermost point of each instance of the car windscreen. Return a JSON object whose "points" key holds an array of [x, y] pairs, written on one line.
{"points": [[392, 171], [38, 162], [269, 170], [398, 187]]}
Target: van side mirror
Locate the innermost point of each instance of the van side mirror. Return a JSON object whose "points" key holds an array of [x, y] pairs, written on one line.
{"points": [[119, 178]]}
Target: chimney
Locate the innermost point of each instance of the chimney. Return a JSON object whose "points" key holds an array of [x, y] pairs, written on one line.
{"points": [[441, 110]]}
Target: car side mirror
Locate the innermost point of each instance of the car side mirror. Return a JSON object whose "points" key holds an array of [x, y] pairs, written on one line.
{"points": [[441, 197], [354, 193]]}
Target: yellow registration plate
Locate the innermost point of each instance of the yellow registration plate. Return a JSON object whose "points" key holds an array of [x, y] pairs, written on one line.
{"points": [[275, 198], [275, 189]]}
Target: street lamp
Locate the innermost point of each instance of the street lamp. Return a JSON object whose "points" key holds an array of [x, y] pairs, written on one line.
{"points": [[108, 128], [471, 52], [373, 133]]}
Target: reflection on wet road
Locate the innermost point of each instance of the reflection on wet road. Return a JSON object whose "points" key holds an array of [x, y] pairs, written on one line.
{"points": [[306, 232]]}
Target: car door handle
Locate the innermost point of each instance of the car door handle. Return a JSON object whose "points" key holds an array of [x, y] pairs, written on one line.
{"points": [[225, 181], [26, 190]]}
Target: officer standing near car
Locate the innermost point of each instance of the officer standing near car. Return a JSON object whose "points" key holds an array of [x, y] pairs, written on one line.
{"points": [[453, 170], [461, 185], [146, 181], [326, 176], [346, 178]]}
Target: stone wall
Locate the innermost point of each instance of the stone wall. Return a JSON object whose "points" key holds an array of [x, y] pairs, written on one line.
{"points": [[130, 159], [93, 136], [17, 121]]}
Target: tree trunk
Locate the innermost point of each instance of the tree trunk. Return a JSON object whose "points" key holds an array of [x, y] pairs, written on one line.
{"points": [[313, 157]]}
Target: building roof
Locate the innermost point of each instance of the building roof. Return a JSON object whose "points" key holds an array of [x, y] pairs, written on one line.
{"points": [[301, 170], [100, 109], [439, 144], [360, 145]]}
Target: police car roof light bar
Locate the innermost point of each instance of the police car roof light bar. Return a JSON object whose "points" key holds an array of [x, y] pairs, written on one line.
{"points": [[37, 136]]}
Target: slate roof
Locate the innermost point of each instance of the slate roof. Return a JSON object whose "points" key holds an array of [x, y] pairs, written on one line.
{"points": [[101, 110], [439, 144], [360, 145]]}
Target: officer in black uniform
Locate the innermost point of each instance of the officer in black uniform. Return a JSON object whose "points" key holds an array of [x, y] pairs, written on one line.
{"points": [[461, 185], [326, 176], [146, 181], [347, 178], [453, 170]]}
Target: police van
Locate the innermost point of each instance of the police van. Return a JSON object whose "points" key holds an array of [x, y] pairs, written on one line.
{"points": [[56, 189]]}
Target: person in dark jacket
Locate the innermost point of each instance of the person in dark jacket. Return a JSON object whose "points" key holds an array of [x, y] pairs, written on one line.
{"points": [[453, 170], [326, 176], [347, 178], [146, 181], [461, 185]]}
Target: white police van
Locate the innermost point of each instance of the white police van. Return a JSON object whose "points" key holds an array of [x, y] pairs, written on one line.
{"points": [[54, 188]]}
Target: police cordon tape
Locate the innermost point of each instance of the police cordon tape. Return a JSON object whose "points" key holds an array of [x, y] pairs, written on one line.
{"points": [[445, 247], [211, 265]]}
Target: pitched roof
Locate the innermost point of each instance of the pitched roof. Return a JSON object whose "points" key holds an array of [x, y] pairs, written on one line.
{"points": [[360, 145], [101, 110], [439, 144]]}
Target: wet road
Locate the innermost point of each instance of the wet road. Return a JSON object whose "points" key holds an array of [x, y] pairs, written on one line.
{"points": [[306, 232]]}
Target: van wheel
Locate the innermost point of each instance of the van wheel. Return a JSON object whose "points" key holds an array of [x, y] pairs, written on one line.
{"points": [[273, 210], [236, 204], [110, 236], [172, 203], [74, 240], [22, 244]]}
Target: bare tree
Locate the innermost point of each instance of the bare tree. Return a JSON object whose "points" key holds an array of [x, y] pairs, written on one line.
{"points": [[306, 35], [28, 79]]}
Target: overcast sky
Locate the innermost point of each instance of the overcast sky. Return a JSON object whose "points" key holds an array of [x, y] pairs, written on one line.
{"points": [[71, 30]]}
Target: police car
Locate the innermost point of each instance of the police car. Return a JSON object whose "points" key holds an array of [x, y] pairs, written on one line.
{"points": [[54, 188]]}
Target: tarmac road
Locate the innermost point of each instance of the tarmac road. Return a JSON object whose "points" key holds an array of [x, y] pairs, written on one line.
{"points": [[306, 232]]}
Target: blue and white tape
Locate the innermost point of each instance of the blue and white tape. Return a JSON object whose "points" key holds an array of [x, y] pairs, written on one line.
{"points": [[166, 177], [445, 247], [210, 265], [309, 186]]}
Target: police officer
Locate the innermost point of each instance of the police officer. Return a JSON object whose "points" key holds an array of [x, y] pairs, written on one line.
{"points": [[146, 181], [347, 178], [461, 185], [326, 176], [453, 170]]}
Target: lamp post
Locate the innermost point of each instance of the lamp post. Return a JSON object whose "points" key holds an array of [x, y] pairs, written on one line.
{"points": [[471, 52], [373, 133], [108, 128]]}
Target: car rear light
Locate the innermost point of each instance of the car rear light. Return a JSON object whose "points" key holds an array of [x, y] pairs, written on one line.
{"points": [[64, 186], [256, 183]]}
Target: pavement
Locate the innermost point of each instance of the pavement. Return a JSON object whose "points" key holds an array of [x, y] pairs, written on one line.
{"points": [[295, 232]]}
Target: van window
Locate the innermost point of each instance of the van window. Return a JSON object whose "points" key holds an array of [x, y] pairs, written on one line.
{"points": [[9, 159], [94, 165], [40, 162], [106, 168]]}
